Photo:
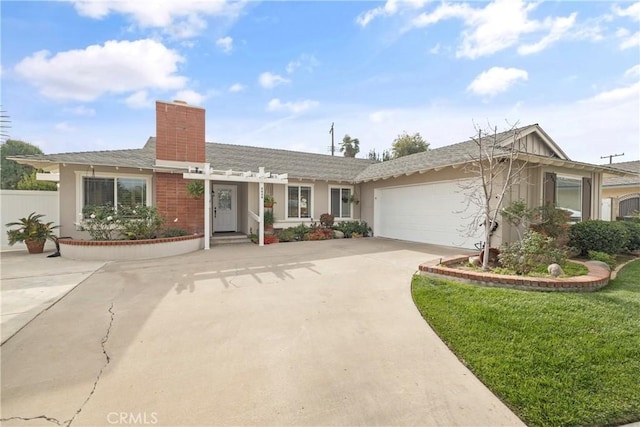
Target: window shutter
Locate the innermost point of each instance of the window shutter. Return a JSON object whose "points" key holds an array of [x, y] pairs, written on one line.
{"points": [[549, 190], [586, 199]]}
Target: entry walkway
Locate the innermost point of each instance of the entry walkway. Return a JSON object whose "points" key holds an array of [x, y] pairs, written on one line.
{"points": [[308, 333]]}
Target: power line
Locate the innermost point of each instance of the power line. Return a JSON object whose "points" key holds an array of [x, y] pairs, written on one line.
{"points": [[611, 156]]}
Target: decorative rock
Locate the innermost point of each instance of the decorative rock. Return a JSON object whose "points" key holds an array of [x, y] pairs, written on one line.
{"points": [[600, 264], [337, 234], [475, 260], [555, 270]]}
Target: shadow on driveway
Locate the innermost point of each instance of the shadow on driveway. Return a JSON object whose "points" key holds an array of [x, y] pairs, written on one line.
{"points": [[290, 334]]}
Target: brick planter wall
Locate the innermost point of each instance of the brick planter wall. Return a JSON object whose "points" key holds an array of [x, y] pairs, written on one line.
{"points": [[597, 278], [113, 250]]}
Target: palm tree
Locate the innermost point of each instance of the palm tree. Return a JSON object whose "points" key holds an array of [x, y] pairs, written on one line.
{"points": [[350, 146]]}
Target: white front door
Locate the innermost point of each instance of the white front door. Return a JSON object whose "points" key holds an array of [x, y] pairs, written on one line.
{"points": [[224, 210]]}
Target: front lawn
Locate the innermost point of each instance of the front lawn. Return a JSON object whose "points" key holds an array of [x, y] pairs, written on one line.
{"points": [[562, 359]]}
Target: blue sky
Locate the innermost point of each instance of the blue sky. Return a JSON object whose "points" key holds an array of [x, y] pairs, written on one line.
{"points": [[83, 76]]}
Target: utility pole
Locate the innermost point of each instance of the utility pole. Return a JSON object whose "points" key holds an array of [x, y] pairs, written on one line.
{"points": [[611, 156], [333, 147]]}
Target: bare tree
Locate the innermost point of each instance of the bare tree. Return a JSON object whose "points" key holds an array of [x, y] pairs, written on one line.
{"points": [[496, 166]]}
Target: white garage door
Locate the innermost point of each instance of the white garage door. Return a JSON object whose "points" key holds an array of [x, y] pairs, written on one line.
{"points": [[429, 213]]}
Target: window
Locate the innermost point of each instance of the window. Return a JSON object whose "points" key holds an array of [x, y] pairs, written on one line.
{"points": [[299, 201], [569, 195], [111, 189], [340, 203]]}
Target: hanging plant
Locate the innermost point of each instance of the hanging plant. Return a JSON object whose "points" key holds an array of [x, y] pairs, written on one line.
{"points": [[269, 201], [195, 188]]}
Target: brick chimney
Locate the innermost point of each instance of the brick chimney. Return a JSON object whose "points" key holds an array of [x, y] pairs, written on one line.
{"points": [[180, 132], [179, 138]]}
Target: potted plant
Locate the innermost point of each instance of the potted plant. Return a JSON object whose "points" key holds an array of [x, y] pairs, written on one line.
{"points": [[269, 201], [33, 232], [195, 188], [268, 221]]}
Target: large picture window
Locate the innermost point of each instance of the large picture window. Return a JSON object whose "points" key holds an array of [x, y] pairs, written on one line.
{"points": [[299, 201], [340, 202], [114, 191]]}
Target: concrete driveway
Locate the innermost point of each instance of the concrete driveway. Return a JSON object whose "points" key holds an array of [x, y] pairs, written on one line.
{"points": [[311, 333]]}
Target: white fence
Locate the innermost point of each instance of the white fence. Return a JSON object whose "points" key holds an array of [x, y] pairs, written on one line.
{"points": [[16, 204]]}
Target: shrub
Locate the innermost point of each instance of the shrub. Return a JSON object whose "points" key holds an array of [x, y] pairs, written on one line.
{"points": [[353, 227], [326, 220], [532, 251], [108, 223], [552, 222], [299, 231], [270, 239], [597, 235], [140, 222], [603, 257], [287, 235], [101, 222], [319, 234], [174, 232], [633, 229], [518, 215]]}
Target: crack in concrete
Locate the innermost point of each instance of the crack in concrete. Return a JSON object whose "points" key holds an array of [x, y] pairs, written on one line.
{"points": [[39, 417], [68, 422], [107, 361]]}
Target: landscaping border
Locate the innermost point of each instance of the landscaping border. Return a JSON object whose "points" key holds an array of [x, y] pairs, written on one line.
{"points": [[117, 250], [597, 278]]}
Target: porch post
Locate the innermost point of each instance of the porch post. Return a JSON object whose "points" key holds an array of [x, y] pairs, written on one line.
{"points": [[261, 214], [207, 211]]}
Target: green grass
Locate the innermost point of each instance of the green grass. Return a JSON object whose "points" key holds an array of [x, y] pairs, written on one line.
{"points": [[556, 359]]}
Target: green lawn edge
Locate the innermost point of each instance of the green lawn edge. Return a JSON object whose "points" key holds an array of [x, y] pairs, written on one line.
{"points": [[561, 359]]}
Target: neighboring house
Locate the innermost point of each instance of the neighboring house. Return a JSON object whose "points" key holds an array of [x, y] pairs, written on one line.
{"points": [[416, 198], [621, 194]]}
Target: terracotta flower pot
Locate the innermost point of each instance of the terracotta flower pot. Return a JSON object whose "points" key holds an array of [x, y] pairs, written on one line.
{"points": [[268, 204], [35, 247]]}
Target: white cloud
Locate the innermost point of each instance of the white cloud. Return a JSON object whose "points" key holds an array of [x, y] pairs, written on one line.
{"points": [[269, 80], [237, 87], [380, 116], [190, 97], [442, 12], [81, 110], [497, 26], [633, 72], [496, 80], [115, 67], [225, 43], [558, 28], [391, 7], [618, 95], [181, 18], [435, 49], [629, 40], [633, 11], [293, 107], [139, 99], [305, 61], [64, 127]]}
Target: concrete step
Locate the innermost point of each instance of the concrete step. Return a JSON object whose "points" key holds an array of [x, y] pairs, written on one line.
{"points": [[229, 239]]}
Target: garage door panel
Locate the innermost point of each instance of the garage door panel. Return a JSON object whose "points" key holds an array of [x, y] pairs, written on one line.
{"points": [[431, 213]]}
